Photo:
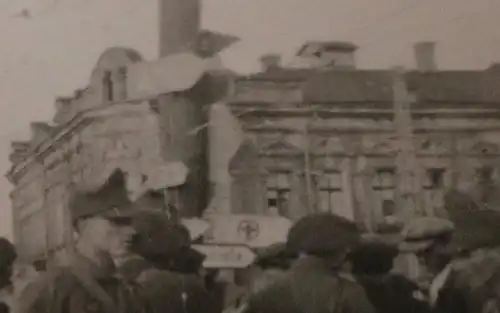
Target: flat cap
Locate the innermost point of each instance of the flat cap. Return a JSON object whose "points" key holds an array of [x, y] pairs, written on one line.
{"points": [[419, 233], [322, 232]]}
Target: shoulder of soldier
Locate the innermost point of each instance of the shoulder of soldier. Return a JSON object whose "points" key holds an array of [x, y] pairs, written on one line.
{"points": [[55, 280]]}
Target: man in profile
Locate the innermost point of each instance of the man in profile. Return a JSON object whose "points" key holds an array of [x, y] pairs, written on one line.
{"points": [[102, 220]]}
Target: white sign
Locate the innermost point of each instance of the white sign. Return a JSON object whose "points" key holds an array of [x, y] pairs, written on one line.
{"points": [[168, 175], [195, 226], [255, 231], [226, 256]]}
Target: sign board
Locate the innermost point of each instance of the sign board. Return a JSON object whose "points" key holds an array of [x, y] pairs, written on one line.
{"points": [[218, 256], [167, 175], [196, 227], [256, 231]]}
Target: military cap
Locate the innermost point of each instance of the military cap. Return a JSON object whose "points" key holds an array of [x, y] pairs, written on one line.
{"points": [[421, 232], [109, 201], [322, 233], [157, 235]]}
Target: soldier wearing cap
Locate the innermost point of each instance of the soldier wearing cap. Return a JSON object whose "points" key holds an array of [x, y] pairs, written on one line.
{"points": [[314, 282], [87, 284], [159, 246], [429, 238]]}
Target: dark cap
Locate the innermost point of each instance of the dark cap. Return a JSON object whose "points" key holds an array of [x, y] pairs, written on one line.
{"points": [[109, 201], [322, 233]]}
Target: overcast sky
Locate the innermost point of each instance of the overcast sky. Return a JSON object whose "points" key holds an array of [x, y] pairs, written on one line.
{"points": [[50, 48]]}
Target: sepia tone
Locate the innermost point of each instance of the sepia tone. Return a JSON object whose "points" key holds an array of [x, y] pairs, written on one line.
{"points": [[244, 161]]}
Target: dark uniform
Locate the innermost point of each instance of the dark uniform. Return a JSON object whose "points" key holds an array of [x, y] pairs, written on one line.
{"points": [[160, 244], [83, 286], [314, 283]]}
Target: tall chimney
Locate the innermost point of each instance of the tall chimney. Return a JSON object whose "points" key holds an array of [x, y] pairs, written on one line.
{"points": [[425, 56], [179, 25], [270, 62]]}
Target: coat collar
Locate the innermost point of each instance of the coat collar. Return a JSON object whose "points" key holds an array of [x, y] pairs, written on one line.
{"points": [[312, 264], [99, 271]]}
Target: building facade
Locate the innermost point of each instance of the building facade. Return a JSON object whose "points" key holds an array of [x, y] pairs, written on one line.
{"points": [[318, 138], [118, 121]]}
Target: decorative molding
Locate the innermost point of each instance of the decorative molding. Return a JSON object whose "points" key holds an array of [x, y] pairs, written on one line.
{"points": [[438, 145], [280, 147], [67, 130], [484, 147]]}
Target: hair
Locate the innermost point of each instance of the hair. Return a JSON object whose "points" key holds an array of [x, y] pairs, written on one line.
{"points": [[373, 259], [8, 253]]}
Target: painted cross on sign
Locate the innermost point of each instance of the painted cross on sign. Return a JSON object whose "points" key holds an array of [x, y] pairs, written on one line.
{"points": [[249, 229], [246, 229]]}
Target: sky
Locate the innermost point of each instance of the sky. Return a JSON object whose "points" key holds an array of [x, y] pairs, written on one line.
{"points": [[48, 47]]}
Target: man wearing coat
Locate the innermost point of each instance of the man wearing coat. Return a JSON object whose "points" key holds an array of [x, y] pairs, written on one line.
{"points": [[314, 283], [429, 238], [88, 284]]}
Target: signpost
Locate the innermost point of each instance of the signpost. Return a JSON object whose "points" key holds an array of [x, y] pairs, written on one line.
{"points": [[255, 231], [226, 256]]}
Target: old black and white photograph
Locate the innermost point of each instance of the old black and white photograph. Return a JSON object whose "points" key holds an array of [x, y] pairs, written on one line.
{"points": [[250, 156]]}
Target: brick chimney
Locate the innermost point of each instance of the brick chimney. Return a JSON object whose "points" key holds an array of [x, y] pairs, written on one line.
{"points": [[425, 56], [179, 25], [270, 62]]}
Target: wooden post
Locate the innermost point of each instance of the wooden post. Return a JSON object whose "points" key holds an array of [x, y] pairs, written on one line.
{"points": [[408, 187]]}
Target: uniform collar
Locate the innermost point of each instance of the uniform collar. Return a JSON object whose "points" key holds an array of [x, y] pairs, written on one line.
{"points": [[311, 263], [98, 271]]}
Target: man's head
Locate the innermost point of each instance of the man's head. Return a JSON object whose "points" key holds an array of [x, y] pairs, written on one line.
{"points": [[325, 236], [105, 234], [103, 218], [429, 238]]}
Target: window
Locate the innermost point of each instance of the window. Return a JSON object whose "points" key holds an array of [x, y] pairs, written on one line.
{"points": [[435, 177], [278, 192], [330, 192], [108, 86], [384, 178]]}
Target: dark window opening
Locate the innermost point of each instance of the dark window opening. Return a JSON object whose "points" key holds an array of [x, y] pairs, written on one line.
{"points": [[108, 86], [388, 208], [435, 177], [272, 202], [485, 174], [40, 265]]}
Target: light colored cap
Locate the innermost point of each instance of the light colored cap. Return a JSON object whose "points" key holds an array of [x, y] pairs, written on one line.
{"points": [[419, 233]]}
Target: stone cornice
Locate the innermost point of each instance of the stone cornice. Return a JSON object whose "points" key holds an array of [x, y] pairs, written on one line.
{"points": [[77, 121], [365, 113]]}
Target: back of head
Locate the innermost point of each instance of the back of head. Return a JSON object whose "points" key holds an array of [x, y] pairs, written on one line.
{"points": [[373, 258], [322, 235]]}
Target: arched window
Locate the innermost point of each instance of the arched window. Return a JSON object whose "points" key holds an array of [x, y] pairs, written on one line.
{"points": [[108, 91]]}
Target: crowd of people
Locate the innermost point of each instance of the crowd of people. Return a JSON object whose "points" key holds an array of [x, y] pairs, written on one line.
{"points": [[131, 257]]}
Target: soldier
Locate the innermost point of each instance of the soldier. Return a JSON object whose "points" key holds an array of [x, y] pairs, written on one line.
{"points": [[159, 243], [429, 239], [102, 220], [314, 283]]}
